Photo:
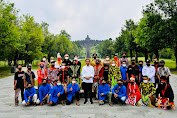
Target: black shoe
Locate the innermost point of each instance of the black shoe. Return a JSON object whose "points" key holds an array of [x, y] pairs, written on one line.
{"points": [[91, 102], [85, 102]]}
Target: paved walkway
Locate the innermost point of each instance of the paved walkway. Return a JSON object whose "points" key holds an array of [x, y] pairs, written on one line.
{"points": [[7, 108]]}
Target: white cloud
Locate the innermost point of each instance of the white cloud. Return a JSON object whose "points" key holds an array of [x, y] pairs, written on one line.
{"points": [[101, 19]]}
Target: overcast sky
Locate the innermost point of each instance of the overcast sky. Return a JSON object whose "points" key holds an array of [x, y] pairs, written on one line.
{"points": [[100, 19]]}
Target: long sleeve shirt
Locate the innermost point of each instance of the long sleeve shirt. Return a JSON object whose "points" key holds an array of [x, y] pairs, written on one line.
{"points": [[132, 89], [147, 89], [56, 89], [75, 88], [41, 73], [120, 90], [150, 72], [105, 89], [29, 92], [43, 91], [87, 71]]}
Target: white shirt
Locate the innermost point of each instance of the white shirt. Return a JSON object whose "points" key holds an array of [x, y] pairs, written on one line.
{"points": [[150, 72], [87, 71]]}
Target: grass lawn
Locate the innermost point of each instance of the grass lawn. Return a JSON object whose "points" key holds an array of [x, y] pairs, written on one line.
{"points": [[5, 72]]}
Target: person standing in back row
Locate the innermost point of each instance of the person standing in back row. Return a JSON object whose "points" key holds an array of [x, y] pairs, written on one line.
{"points": [[18, 84], [87, 77], [124, 58], [163, 71], [134, 70]]}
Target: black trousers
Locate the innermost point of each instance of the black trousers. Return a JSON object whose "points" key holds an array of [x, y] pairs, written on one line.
{"points": [[77, 96], [87, 88], [116, 100]]}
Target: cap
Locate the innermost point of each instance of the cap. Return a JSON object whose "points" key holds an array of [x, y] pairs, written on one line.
{"points": [[29, 65], [162, 61], [148, 61]]}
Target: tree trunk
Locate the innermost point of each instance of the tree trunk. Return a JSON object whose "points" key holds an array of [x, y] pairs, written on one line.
{"points": [[146, 54], [157, 53], [136, 57], [131, 53]]}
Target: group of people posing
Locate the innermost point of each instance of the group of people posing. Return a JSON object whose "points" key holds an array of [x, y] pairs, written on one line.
{"points": [[114, 82]]}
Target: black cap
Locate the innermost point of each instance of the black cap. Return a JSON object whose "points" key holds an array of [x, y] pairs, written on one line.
{"points": [[148, 61], [162, 61]]}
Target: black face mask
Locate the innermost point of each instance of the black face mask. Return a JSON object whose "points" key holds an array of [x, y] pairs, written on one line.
{"points": [[94, 57], [44, 83], [29, 87], [163, 85], [133, 63], [162, 65], [140, 65], [103, 83], [29, 68], [132, 82], [74, 63], [52, 65], [148, 64], [97, 63], [124, 56], [155, 62], [19, 68], [119, 84]]}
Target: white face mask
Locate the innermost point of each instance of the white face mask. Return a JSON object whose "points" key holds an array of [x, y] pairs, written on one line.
{"points": [[75, 58], [73, 82], [44, 59], [66, 57], [113, 64], [107, 59], [62, 67], [145, 81], [58, 84], [124, 65]]}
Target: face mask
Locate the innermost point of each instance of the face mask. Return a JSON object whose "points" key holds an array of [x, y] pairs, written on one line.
{"points": [[52, 65], [29, 68], [75, 58], [148, 64], [124, 56], [73, 82], [155, 62], [58, 84], [132, 82], [62, 67], [113, 64], [41, 66], [94, 57], [97, 63], [140, 65], [29, 87], [103, 83], [107, 59], [115, 58], [133, 63], [163, 85], [162, 65], [66, 57], [44, 59], [44, 83], [74, 63], [119, 84], [124, 65], [19, 68], [59, 59], [145, 81]]}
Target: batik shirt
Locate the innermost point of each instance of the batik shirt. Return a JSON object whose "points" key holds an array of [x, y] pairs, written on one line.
{"points": [[114, 72], [147, 88]]}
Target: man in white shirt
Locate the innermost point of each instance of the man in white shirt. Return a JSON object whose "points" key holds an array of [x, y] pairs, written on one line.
{"points": [[87, 75], [149, 71]]}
